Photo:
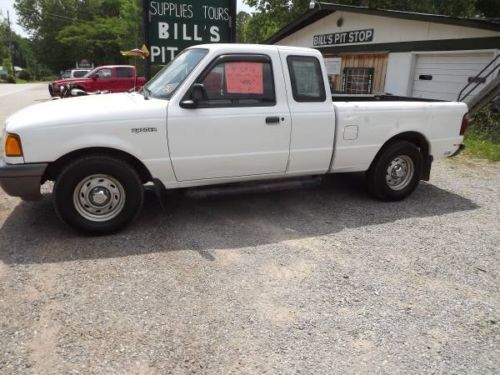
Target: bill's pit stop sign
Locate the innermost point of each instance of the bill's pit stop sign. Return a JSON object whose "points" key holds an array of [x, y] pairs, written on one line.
{"points": [[174, 25]]}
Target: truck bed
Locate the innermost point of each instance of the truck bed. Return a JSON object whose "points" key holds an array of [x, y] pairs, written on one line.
{"points": [[379, 98]]}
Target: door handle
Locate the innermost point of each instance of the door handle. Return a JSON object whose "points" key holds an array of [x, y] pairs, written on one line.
{"points": [[272, 120]]}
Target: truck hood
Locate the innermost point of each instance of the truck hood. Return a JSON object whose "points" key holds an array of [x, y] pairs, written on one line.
{"points": [[87, 109], [71, 80]]}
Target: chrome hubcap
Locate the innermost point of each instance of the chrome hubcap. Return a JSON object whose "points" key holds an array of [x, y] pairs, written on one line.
{"points": [[400, 172], [99, 198]]}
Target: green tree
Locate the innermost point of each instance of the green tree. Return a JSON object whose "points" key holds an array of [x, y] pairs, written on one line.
{"points": [[22, 48], [67, 31], [489, 8], [241, 24], [271, 15], [4, 40]]}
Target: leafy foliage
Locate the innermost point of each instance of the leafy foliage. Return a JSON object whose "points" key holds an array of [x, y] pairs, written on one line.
{"points": [[24, 75], [68, 31], [487, 123], [482, 139], [7, 65]]}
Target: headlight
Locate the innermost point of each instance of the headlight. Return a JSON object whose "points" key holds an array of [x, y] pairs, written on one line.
{"points": [[13, 147]]}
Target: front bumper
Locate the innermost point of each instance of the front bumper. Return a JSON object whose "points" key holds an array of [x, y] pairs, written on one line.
{"points": [[54, 90], [22, 180]]}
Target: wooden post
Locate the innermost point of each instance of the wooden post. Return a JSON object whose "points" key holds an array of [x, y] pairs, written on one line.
{"points": [[145, 26]]}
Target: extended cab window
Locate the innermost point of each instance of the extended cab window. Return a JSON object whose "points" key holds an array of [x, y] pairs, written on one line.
{"points": [[124, 72], [239, 82], [306, 78]]}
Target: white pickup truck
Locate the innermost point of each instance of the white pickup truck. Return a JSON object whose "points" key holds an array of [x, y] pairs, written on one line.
{"points": [[220, 113]]}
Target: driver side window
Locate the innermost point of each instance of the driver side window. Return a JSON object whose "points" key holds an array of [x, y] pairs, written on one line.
{"points": [[239, 83], [103, 73]]}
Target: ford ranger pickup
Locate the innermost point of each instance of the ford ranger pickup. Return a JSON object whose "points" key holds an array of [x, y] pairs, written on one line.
{"points": [[219, 114]]}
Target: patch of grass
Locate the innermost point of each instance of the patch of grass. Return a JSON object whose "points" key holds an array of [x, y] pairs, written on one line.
{"points": [[482, 140], [481, 146]]}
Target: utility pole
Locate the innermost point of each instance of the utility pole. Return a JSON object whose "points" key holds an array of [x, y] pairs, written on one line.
{"points": [[10, 46]]}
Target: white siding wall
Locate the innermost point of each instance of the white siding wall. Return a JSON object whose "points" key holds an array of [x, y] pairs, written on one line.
{"points": [[387, 30]]}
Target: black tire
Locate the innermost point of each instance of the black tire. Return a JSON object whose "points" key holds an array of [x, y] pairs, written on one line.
{"points": [[122, 176], [378, 174], [80, 88]]}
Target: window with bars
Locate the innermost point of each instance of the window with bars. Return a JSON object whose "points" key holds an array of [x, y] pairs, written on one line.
{"points": [[357, 80]]}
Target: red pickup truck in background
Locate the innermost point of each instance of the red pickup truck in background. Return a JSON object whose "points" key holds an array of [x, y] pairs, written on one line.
{"points": [[113, 78]]}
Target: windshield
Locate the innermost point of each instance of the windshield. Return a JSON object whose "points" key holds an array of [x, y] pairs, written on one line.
{"points": [[79, 73], [164, 84], [91, 73]]}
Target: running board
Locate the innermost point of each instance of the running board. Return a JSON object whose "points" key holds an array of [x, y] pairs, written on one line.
{"points": [[254, 187]]}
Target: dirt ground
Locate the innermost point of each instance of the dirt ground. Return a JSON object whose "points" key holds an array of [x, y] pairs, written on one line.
{"points": [[318, 280]]}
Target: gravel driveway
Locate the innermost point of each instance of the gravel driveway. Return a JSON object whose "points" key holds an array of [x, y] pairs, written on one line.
{"points": [[319, 280]]}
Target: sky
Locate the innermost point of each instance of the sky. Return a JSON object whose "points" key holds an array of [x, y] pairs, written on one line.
{"points": [[7, 5]]}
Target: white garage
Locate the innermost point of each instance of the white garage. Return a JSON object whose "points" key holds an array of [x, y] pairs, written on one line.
{"points": [[443, 75], [374, 51]]}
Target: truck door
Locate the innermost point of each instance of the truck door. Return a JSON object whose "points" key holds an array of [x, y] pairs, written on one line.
{"points": [[310, 102], [125, 78], [102, 79], [241, 127]]}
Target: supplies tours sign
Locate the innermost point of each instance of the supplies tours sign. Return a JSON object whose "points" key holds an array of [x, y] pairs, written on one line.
{"points": [[174, 25]]}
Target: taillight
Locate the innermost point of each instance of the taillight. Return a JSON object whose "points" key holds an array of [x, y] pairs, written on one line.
{"points": [[465, 124]]}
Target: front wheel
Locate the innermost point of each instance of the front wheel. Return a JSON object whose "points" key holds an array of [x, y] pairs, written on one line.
{"points": [[395, 172], [98, 194]]}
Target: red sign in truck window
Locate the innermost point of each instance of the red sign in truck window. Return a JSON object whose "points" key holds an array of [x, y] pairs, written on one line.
{"points": [[244, 78]]}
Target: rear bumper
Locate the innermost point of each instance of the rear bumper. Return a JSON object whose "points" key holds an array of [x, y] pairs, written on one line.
{"points": [[459, 150], [22, 180]]}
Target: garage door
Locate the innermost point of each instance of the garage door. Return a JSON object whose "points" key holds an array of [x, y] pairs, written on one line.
{"points": [[442, 76]]}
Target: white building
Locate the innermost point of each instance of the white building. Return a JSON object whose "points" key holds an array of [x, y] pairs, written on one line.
{"points": [[371, 51]]}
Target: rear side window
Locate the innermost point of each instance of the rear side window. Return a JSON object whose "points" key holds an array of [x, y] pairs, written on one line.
{"points": [[124, 72], [306, 78]]}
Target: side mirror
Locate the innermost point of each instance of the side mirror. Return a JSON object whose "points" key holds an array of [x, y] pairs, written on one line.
{"points": [[197, 94], [94, 77]]}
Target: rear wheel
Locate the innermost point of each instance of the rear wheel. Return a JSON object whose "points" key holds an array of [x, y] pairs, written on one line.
{"points": [[98, 194], [396, 171]]}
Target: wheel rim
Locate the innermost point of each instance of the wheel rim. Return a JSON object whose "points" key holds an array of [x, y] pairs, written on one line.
{"points": [[99, 198], [400, 172]]}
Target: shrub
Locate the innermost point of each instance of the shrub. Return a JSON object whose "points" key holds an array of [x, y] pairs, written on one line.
{"points": [[24, 74], [11, 79], [49, 78], [486, 124]]}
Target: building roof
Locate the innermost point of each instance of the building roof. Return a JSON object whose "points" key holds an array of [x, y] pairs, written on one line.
{"points": [[324, 9]]}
